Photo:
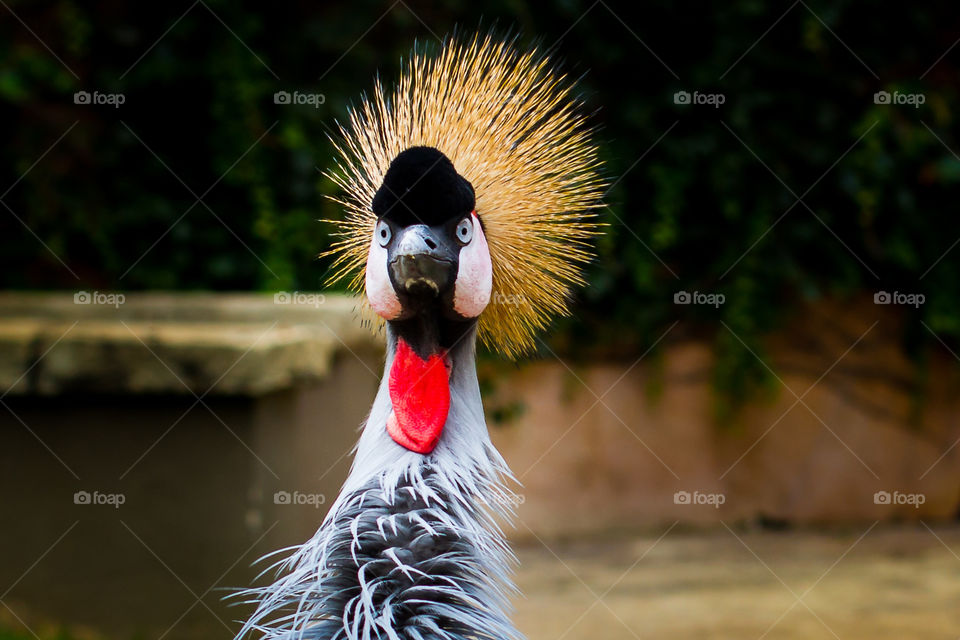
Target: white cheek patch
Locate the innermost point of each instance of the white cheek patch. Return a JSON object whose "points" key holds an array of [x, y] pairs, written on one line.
{"points": [[471, 294], [380, 291]]}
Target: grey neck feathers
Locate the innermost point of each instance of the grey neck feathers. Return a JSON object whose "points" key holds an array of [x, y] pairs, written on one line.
{"points": [[410, 550], [464, 452]]}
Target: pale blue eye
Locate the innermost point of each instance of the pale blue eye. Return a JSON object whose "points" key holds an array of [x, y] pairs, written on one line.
{"points": [[465, 230], [383, 233]]}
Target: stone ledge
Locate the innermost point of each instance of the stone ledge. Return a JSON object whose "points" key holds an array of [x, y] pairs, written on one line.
{"points": [[224, 344]]}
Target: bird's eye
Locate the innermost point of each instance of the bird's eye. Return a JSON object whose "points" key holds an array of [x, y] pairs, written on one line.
{"points": [[465, 230], [383, 233]]}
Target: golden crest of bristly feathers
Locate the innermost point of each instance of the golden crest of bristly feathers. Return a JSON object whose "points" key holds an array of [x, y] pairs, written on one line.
{"points": [[512, 128]]}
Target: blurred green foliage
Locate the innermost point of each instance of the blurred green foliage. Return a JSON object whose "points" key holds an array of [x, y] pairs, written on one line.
{"points": [[703, 199], [19, 633]]}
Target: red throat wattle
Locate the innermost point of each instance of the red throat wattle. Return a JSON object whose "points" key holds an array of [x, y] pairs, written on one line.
{"points": [[420, 395]]}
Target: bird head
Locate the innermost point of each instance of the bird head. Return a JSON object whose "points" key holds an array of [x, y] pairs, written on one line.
{"points": [[428, 253], [470, 190]]}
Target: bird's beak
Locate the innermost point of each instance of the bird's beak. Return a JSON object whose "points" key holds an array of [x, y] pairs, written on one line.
{"points": [[421, 264]]}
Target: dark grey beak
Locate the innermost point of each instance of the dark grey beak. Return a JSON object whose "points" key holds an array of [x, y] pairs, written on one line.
{"points": [[421, 263]]}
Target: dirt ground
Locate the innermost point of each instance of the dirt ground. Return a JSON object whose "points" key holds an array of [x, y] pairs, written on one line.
{"points": [[869, 583], [872, 583]]}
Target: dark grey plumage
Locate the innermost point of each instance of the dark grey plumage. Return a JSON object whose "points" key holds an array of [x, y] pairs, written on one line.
{"points": [[408, 564], [410, 550]]}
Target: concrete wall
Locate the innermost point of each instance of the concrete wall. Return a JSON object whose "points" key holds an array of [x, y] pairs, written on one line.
{"points": [[848, 416], [197, 485]]}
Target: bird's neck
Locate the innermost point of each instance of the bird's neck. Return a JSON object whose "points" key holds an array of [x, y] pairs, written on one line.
{"points": [[430, 332], [464, 452], [413, 541]]}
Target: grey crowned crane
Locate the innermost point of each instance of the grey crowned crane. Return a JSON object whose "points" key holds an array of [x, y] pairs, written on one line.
{"points": [[469, 189]]}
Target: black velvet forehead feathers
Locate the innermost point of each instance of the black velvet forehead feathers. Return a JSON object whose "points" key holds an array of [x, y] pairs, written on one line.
{"points": [[423, 187]]}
